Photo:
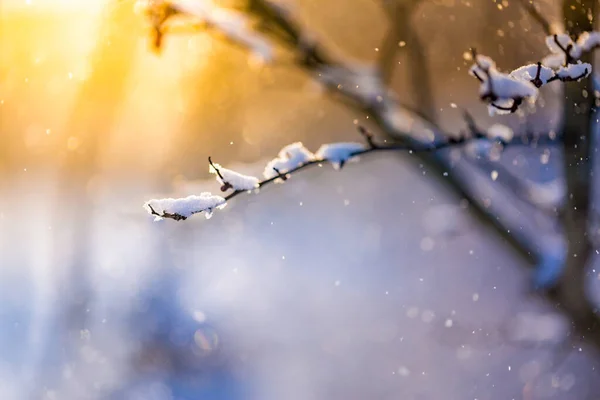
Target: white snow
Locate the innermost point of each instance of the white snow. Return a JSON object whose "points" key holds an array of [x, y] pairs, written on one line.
{"points": [[485, 62], [339, 153], [529, 72], [574, 71], [500, 103], [588, 40], [186, 206], [291, 156], [235, 179], [499, 131], [506, 87], [564, 41]]}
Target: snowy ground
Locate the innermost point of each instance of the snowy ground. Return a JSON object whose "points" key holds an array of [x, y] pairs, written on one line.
{"points": [[354, 284]]}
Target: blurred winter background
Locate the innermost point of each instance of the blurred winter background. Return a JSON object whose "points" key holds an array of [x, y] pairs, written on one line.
{"points": [[376, 282]]}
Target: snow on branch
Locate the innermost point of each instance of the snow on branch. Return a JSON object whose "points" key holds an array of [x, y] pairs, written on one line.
{"points": [[295, 157], [181, 209], [291, 156], [339, 153], [233, 25], [504, 93], [232, 180]]}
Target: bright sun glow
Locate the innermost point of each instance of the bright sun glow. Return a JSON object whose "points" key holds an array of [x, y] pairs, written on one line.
{"points": [[56, 5]]}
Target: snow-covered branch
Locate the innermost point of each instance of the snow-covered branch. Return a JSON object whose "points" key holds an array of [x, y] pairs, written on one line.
{"points": [[181, 209], [368, 92], [504, 93], [295, 157]]}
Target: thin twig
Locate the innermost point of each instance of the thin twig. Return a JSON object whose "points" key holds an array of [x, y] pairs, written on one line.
{"points": [[476, 134]]}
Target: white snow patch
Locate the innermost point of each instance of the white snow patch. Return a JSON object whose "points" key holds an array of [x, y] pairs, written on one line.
{"points": [[186, 206], [290, 157], [574, 71], [492, 111], [564, 40], [588, 40], [235, 179], [506, 87], [339, 153], [529, 72], [499, 131], [483, 63]]}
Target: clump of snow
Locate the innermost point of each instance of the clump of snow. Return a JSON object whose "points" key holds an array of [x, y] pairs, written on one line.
{"points": [[500, 132], [588, 40], [338, 153], [502, 86], [236, 180], [484, 63], [529, 73], [185, 207], [563, 40], [574, 71], [290, 157], [492, 111], [507, 87]]}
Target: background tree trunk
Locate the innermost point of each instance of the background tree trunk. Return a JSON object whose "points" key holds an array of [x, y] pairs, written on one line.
{"points": [[578, 126]]}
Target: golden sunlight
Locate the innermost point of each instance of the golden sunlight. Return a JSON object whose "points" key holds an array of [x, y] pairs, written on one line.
{"points": [[78, 77], [87, 6]]}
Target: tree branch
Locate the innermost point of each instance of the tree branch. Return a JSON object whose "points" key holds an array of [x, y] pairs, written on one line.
{"points": [[386, 112], [578, 126], [372, 147], [529, 6]]}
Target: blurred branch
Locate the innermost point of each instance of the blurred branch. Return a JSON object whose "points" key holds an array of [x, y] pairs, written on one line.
{"points": [[507, 92], [386, 112], [578, 126], [402, 31], [389, 116], [531, 9]]}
